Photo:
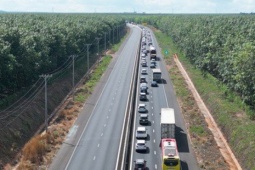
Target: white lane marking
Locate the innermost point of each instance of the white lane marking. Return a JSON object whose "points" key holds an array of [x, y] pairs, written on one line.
{"points": [[153, 131], [104, 125], [154, 141], [111, 104], [102, 134], [109, 110], [107, 117], [155, 153], [151, 107], [156, 167], [98, 145], [153, 121], [94, 158], [152, 114], [151, 96]]}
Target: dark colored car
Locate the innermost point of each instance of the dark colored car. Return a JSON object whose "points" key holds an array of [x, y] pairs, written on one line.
{"points": [[143, 119], [154, 84], [143, 97], [152, 66], [142, 108]]}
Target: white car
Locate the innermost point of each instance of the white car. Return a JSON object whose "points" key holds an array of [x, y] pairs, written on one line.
{"points": [[141, 133], [144, 71], [140, 145]]}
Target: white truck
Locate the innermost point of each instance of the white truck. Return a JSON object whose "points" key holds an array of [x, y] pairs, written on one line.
{"points": [[156, 75], [167, 123]]}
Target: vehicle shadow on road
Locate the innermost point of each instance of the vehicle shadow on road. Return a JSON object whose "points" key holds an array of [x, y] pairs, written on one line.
{"points": [[184, 165], [163, 81], [182, 140]]}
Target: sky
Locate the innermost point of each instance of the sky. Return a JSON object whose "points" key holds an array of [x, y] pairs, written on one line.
{"points": [[120, 6]]}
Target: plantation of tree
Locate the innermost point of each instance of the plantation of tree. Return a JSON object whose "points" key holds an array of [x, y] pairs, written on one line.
{"points": [[34, 44], [222, 45]]}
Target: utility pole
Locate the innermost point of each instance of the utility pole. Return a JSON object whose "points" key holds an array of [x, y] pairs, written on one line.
{"points": [[105, 42], [46, 101], [109, 36], [98, 39], [118, 33], [88, 45], [73, 57], [112, 35]]}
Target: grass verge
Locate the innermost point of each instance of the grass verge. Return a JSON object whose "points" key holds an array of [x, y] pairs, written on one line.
{"points": [[228, 110]]}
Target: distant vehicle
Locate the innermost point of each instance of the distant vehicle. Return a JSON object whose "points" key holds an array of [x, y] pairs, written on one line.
{"points": [[142, 79], [140, 146], [143, 85], [144, 52], [154, 84], [153, 52], [143, 97], [143, 119], [143, 55], [152, 66], [141, 133], [153, 62], [143, 71], [170, 155], [167, 123], [156, 75], [142, 108], [140, 164], [143, 90], [144, 64]]}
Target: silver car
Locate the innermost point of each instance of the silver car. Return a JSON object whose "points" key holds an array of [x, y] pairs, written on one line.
{"points": [[140, 146]]}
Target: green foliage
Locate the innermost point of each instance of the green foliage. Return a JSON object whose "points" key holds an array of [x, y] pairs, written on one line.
{"points": [[34, 44]]}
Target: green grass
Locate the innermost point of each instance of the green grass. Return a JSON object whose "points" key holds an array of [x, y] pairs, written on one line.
{"points": [[87, 89], [227, 108], [199, 130]]}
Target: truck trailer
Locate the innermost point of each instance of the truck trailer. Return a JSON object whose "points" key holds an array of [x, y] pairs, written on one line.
{"points": [[167, 123], [156, 75]]}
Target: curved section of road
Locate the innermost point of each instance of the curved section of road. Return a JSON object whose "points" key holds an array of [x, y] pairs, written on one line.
{"points": [[96, 145]]}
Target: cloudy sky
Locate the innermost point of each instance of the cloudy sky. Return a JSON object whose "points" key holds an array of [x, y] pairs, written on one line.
{"points": [[148, 6]]}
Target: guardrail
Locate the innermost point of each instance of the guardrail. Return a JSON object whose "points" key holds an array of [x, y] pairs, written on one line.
{"points": [[126, 138]]}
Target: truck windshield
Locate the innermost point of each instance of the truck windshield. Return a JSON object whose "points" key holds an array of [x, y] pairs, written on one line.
{"points": [[171, 162]]}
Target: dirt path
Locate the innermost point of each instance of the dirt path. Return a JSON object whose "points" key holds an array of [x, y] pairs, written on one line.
{"points": [[218, 136]]}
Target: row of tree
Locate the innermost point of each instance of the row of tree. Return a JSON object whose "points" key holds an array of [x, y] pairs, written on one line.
{"points": [[34, 44], [222, 45]]}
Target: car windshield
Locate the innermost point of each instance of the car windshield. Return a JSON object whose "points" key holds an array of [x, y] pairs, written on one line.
{"points": [[140, 165], [141, 132]]}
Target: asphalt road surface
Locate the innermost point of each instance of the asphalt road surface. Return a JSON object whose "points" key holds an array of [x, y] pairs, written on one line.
{"points": [[160, 97], [93, 141]]}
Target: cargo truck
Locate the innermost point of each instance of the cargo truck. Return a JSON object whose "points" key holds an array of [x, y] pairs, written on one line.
{"points": [[167, 123], [156, 75]]}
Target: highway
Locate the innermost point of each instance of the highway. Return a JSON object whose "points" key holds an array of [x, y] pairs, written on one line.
{"points": [[93, 141], [160, 97]]}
